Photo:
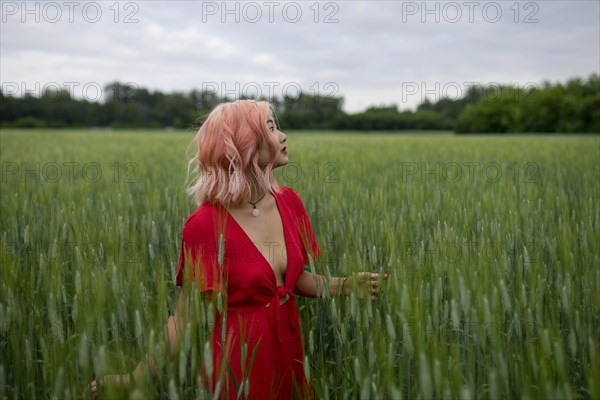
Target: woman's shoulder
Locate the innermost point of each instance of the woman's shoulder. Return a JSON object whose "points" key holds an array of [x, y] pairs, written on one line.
{"points": [[292, 197], [288, 193], [199, 219]]}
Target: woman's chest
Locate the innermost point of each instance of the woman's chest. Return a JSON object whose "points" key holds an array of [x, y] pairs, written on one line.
{"points": [[262, 241]]}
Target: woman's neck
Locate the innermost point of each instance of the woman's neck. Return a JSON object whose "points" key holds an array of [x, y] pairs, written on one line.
{"points": [[256, 192]]}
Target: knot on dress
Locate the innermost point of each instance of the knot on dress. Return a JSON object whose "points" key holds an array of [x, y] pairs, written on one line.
{"points": [[274, 313], [282, 291]]}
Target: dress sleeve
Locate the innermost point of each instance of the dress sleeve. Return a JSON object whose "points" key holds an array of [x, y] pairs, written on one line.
{"points": [[198, 257], [307, 236]]}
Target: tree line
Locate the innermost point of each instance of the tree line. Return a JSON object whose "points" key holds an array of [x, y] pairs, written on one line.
{"points": [[572, 107]]}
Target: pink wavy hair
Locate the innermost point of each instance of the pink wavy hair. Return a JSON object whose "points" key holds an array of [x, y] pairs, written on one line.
{"points": [[227, 151]]}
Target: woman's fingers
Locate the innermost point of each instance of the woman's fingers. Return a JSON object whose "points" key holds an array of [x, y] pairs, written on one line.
{"points": [[364, 276], [368, 283], [94, 386], [92, 389]]}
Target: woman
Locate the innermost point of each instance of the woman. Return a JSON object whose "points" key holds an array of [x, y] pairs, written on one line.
{"points": [[246, 247]]}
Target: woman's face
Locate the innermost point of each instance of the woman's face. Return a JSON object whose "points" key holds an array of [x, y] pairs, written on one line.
{"points": [[281, 157]]}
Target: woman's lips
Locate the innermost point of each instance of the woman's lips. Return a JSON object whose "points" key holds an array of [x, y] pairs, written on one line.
{"points": [[284, 150]]}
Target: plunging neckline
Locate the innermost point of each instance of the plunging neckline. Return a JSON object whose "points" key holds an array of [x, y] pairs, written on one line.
{"points": [[287, 264]]}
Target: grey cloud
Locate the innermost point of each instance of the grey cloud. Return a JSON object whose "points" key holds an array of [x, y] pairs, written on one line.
{"points": [[370, 53]]}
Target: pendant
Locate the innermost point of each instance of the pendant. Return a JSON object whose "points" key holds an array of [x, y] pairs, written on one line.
{"points": [[255, 212]]}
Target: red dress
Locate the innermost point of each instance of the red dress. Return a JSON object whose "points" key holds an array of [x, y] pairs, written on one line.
{"points": [[249, 284]]}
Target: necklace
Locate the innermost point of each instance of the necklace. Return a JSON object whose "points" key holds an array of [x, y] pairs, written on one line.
{"points": [[255, 211]]}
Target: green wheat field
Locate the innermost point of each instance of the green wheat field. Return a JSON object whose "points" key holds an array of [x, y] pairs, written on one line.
{"points": [[492, 244]]}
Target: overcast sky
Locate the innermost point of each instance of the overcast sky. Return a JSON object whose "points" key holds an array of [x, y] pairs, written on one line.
{"points": [[369, 52]]}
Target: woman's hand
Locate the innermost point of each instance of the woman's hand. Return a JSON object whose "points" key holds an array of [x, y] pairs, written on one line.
{"points": [[114, 380], [365, 283]]}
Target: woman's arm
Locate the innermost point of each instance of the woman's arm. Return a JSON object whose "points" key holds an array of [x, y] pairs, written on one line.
{"points": [[310, 285], [174, 330]]}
